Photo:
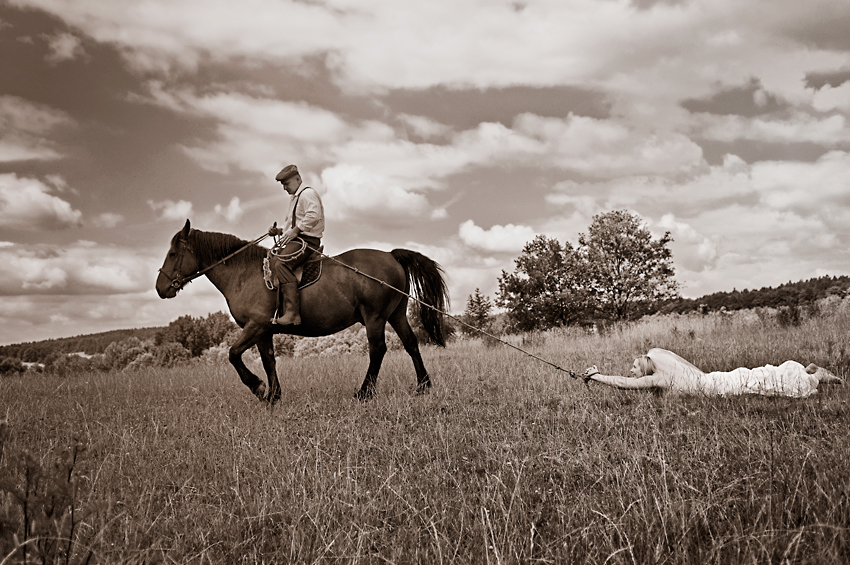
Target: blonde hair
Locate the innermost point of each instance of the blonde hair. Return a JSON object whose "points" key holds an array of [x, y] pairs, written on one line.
{"points": [[646, 365]]}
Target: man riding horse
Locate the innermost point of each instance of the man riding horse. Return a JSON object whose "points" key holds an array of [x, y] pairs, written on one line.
{"points": [[302, 236]]}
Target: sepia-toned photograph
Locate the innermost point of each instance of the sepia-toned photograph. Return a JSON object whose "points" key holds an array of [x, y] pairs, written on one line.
{"points": [[450, 282]]}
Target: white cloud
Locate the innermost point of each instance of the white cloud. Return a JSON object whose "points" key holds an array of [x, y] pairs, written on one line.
{"points": [[570, 194], [800, 127], [170, 210], [27, 204], [672, 49], [78, 268], [502, 239], [692, 250], [25, 129], [424, 127], [255, 132], [807, 188], [108, 220], [831, 98], [232, 213], [64, 47], [353, 191], [607, 148]]}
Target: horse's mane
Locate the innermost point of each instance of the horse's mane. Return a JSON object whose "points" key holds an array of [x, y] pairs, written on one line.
{"points": [[209, 247]]}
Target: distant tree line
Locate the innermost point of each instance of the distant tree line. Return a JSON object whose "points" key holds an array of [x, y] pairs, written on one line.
{"points": [[186, 339], [790, 294], [37, 352]]}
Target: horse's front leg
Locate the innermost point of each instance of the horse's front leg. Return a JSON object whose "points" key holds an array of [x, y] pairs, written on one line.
{"points": [[266, 349], [251, 334]]}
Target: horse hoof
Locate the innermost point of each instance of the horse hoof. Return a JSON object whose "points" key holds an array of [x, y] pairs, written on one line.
{"points": [[423, 386], [364, 395], [260, 391]]}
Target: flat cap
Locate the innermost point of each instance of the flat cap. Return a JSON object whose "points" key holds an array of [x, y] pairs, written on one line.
{"points": [[287, 172]]}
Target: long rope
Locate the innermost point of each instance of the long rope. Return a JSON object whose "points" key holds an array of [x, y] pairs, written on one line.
{"points": [[384, 283], [458, 320]]}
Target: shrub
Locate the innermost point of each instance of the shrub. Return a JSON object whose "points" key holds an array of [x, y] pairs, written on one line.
{"points": [[120, 354], [9, 365], [170, 354]]}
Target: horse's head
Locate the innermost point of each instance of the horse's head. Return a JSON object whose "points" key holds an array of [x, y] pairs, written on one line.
{"points": [[180, 264]]}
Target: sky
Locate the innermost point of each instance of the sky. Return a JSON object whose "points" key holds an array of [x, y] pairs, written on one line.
{"points": [[460, 129]]}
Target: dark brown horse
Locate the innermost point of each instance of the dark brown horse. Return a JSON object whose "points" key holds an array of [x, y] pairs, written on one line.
{"points": [[341, 298]]}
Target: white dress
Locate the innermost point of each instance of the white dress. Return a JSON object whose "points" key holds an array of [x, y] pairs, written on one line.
{"points": [[674, 373]]}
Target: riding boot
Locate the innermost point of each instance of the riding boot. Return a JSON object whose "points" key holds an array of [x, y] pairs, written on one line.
{"points": [[292, 305], [280, 306]]}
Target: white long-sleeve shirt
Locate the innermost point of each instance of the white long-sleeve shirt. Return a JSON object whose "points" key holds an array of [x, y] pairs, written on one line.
{"points": [[309, 216]]}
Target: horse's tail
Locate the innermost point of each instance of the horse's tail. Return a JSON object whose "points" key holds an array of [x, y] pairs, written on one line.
{"points": [[429, 286]]}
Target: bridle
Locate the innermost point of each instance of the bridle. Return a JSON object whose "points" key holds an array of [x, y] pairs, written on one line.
{"points": [[179, 280]]}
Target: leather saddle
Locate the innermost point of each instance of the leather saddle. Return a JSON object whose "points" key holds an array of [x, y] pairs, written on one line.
{"points": [[305, 275]]}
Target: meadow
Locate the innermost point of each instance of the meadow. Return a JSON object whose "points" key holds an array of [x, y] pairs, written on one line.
{"points": [[507, 460]]}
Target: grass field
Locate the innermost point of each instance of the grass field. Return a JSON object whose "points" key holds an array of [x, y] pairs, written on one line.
{"points": [[508, 460]]}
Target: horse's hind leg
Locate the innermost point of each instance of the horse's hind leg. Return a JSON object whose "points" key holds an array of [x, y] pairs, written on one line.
{"points": [[377, 350], [251, 334], [266, 348], [398, 321]]}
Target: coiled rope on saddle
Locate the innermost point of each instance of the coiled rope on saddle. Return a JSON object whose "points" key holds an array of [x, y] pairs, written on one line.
{"points": [[277, 252]]}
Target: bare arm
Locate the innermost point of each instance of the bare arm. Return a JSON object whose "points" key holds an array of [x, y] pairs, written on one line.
{"points": [[651, 381]]}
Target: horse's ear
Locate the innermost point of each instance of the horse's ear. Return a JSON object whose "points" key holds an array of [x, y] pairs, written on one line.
{"points": [[186, 229]]}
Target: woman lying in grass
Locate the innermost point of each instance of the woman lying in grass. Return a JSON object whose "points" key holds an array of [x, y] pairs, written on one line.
{"points": [[664, 369]]}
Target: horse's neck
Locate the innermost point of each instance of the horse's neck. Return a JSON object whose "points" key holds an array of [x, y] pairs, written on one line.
{"points": [[225, 275]]}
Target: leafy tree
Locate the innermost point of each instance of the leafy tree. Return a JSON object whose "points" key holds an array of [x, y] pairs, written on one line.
{"points": [[544, 291], [625, 268], [477, 313], [218, 326], [170, 354], [189, 332], [119, 354]]}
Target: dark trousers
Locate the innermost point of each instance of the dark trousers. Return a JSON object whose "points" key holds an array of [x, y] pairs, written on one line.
{"points": [[284, 269]]}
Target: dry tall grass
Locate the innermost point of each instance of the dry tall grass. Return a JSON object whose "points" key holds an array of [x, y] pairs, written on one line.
{"points": [[507, 460]]}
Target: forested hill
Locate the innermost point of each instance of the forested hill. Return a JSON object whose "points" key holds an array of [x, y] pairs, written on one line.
{"points": [[89, 344], [788, 294]]}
